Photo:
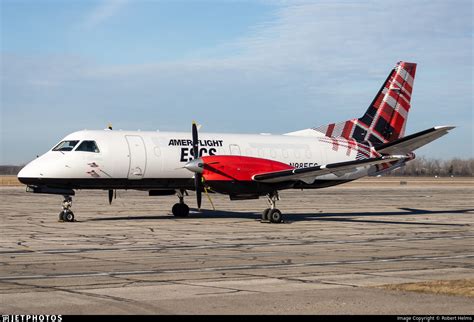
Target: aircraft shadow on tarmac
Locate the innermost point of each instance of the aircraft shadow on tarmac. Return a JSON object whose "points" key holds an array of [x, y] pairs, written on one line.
{"points": [[294, 217]]}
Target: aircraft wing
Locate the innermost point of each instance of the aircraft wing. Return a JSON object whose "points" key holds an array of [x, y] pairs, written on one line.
{"points": [[339, 168], [412, 142]]}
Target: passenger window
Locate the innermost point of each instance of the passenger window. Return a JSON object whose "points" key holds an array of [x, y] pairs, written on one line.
{"points": [[65, 146], [88, 146]]}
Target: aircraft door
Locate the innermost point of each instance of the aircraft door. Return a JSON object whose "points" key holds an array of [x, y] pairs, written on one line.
{"points": [[137, 157], [234, 149]]}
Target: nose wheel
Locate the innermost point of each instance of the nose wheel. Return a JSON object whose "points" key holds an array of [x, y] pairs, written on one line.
{"points": [[66, 214], [272, 214], [180, 209]]}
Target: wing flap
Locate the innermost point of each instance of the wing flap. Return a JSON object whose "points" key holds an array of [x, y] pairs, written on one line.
{"points": [[339, 168]]}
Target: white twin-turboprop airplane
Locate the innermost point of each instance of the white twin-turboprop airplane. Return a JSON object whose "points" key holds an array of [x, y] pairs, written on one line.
{"points": [[242, 166]]}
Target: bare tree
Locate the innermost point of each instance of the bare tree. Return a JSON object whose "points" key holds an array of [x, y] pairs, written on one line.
{"points": [[10, 170], [434, 167]]}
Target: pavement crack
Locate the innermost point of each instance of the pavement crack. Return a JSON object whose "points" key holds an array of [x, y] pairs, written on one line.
{"points": [[227, 289], [121, 300]]}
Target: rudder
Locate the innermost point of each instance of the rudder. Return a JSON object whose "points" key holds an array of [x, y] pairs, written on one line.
{"points": [[385, 119]]}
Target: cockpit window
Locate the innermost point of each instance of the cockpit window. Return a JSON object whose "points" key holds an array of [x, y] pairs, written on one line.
{"points": [[88, 146], [65, 146]]}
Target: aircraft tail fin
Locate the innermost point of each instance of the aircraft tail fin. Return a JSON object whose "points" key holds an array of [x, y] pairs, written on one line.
{"points": [[385, 119]]}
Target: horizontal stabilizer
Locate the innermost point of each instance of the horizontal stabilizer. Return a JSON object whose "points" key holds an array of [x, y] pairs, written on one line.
{"points": [[339, 168], [412, 142]]}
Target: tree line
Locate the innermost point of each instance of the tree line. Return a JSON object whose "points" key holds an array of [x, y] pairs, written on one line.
{"points": [[10, 170], [423, 167], [419, 167]]}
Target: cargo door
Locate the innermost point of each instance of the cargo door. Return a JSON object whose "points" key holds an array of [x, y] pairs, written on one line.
{"points": [[137, 155]]}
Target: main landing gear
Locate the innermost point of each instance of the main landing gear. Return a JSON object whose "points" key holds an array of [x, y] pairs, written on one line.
{"points": [[180, 209], [66, 214], [272, 214]]}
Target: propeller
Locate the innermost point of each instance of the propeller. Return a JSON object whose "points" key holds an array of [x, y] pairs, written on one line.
{"points": [[197, 166], [197, 175]]}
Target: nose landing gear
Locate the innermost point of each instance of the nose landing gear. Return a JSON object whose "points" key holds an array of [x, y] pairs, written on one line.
{"points": [[66, 214], [180, 209]]}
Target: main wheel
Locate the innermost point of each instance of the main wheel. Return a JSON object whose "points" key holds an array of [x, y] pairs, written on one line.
{"points": [[265, 214], [275, 216], [68, 216], [180, 210], [62, 215]]}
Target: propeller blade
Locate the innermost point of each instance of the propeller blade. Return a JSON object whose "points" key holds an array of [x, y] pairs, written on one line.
{"points": [[111, 195], [197, 176], [195, 141]]}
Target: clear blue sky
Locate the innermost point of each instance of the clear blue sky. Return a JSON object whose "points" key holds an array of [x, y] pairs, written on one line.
{"points": [[234, 66]]}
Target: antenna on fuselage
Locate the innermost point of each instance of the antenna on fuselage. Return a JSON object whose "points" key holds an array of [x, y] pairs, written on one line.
{"points": [[109, 127]]}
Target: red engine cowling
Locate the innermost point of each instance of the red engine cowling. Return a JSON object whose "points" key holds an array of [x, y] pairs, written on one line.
{"points": [[237, 168]]}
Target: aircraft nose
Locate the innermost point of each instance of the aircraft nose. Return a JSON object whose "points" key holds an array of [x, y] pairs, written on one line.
{"points": [[30, 174]]}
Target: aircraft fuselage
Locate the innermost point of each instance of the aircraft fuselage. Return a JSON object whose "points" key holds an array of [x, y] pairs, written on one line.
{"points": [[155, 160]]}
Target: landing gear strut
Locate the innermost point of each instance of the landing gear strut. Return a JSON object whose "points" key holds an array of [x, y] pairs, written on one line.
{"points": [[272, 214], [66, 214], [180, 209]]}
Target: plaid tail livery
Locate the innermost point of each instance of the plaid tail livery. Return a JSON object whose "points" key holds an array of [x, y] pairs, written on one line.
{"points": [[386, 117]]}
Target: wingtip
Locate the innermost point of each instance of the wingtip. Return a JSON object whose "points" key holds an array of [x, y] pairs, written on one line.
{"points": [[444, 127]]}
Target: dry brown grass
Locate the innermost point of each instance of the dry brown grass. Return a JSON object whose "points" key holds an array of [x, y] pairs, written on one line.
{"points": [[9, 181], [464, 287]]}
